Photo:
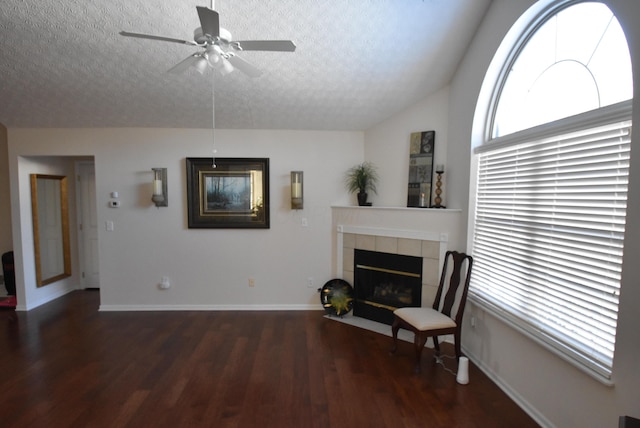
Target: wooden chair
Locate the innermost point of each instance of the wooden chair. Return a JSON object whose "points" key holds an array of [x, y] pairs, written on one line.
{"points": [[445, 317]]}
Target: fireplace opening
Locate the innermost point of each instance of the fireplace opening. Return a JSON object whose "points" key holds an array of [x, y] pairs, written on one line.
{"points": [[384, 282]]}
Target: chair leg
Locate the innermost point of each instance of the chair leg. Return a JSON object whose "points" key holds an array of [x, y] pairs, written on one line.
{"points": [[394, 331], [436, 345], [456, 339], [419, 342]]}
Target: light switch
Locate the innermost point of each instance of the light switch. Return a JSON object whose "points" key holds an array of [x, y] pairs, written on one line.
{"points": [[109, 226]]}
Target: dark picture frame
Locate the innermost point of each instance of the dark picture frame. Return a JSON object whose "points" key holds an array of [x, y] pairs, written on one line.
{"points": [[234, 194], [421, 153]]}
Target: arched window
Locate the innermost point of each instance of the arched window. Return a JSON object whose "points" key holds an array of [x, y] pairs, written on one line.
{"points": [[578, 58], [551, 185]]}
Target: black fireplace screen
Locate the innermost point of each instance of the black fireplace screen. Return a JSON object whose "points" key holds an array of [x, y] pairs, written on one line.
{"points": [[384, 282]]}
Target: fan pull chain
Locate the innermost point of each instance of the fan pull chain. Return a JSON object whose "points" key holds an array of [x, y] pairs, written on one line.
{"points": [[213, 123]]}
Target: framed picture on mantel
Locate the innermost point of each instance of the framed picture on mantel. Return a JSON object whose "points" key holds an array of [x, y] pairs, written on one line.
{"points": [[421, 151]]}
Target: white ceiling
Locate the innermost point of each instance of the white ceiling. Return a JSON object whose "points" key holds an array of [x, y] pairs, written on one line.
{"points": [[63, 63]]}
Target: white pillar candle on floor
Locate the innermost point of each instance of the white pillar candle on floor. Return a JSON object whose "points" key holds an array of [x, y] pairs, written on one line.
{"points": [[463, 371]]}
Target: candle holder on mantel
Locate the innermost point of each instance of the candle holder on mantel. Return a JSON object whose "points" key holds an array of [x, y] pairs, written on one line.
{"points": [[438, 199]]}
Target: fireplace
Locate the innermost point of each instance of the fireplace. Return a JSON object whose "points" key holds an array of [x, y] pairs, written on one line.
{"points": [[422, 233], [384, 282]]}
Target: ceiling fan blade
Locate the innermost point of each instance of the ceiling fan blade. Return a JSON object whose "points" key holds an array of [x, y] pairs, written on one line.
{"points": [[244, 66], [164, 39], [266, 45], [184, 64], [209, 21]]}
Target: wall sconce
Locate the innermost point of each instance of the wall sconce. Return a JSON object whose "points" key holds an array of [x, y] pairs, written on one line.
{"points": [[296, 190], [160, 187]]}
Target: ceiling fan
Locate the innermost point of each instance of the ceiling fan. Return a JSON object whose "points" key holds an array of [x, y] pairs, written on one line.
{"points": [[218, 50]]}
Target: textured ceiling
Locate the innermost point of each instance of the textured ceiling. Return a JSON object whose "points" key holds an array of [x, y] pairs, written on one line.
{"points": [[63, 63]]}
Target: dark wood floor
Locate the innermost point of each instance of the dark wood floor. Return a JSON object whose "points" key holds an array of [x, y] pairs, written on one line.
{"points": [[67, 365]]}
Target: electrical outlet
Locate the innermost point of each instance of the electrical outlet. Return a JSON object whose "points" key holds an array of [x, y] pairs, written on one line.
{"points": [[165, 283], [252, 282], [310, 282]]}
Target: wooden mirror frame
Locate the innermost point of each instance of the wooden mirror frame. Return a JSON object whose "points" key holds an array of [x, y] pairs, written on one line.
{"points": [[43, 211]]}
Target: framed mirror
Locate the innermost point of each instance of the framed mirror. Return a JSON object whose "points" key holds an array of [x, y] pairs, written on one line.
{"points": [[50, 212]]}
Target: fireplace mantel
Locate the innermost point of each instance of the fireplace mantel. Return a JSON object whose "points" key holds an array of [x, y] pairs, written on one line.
{"points": [[390, 208], [403, 222]]}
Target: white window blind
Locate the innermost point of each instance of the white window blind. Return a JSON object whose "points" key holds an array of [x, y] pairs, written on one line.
{"points": [[548, 240]]}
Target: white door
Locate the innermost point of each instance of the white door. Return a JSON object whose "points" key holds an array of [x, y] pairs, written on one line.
{"points": [[88, 225]]}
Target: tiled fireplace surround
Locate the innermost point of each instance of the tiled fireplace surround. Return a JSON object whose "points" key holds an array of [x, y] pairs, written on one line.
{"points": [[385, 230], [426, 233], [427, 246]]}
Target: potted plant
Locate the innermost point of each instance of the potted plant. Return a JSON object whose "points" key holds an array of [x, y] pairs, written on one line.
{"points": [[362, 178]]}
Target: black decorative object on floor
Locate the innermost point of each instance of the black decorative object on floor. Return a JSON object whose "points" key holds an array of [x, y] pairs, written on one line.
{"points": [[8, 270], [336, 297]]}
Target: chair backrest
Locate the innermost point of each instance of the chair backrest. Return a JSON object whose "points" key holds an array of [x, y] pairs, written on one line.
{"points": [[450, 298]]}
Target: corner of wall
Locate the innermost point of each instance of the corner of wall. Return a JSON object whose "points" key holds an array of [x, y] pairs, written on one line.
{"points": [[6, 240]]}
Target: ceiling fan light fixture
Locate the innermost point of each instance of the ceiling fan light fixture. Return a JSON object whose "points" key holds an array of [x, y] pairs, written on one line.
{"points": [[217, 44], [201, 64], [213, 53], [226, 67]]}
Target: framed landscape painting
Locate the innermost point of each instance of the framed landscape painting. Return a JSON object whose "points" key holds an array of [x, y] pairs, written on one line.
{"points": [[232, 194]]}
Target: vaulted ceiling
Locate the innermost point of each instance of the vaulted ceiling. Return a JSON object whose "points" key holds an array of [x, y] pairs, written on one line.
{"points": [[357, 62]]}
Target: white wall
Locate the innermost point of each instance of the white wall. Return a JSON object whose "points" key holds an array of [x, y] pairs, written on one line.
{"points": [[26, 288], [554, 392], [387, 146], [208, 268]]}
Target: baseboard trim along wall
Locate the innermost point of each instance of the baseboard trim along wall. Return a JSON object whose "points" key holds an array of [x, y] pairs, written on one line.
{"points": [[306, 307], [517, 398]]}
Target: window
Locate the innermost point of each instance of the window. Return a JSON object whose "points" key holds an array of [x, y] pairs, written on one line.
{"points": [[552, 183], [578, 58]]}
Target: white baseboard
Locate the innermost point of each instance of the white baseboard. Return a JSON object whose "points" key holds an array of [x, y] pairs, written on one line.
{"points": [[49, 298], [506, 388], [114, 308]]}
